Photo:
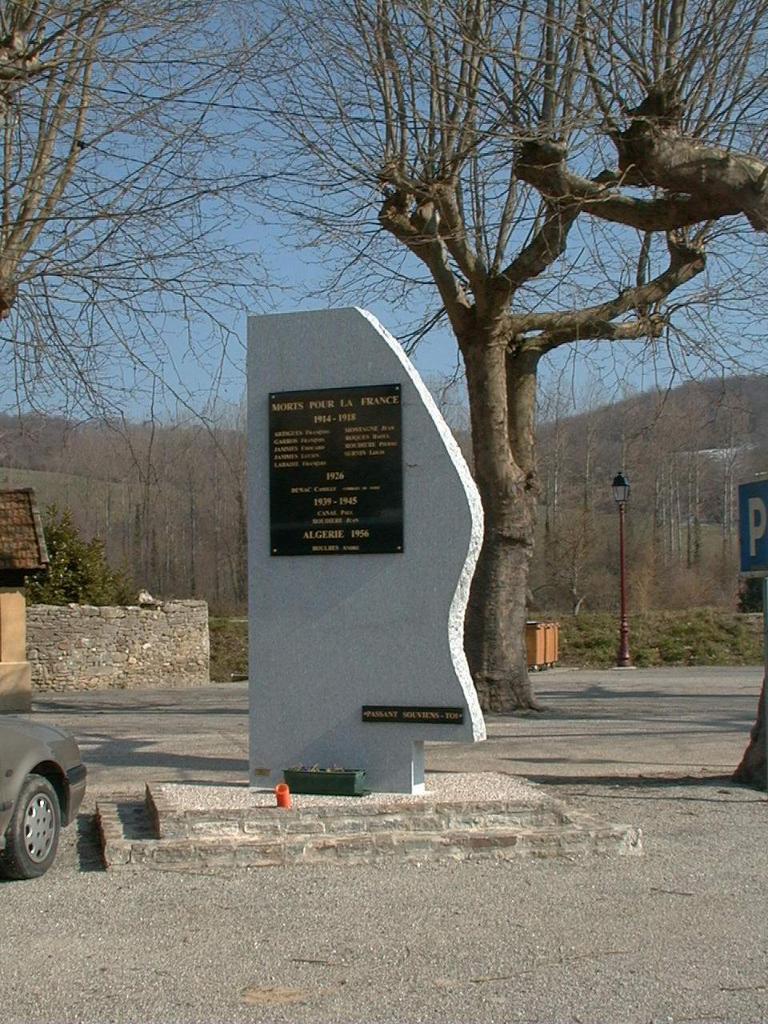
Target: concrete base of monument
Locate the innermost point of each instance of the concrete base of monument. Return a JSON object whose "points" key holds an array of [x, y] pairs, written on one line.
{"points": [[460, 817]]}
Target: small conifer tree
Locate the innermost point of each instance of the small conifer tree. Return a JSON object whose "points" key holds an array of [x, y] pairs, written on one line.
{"points": [[78, 572]]}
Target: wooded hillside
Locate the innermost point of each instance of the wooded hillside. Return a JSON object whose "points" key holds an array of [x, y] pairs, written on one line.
{"points": [[169, 501], [685, 452]]}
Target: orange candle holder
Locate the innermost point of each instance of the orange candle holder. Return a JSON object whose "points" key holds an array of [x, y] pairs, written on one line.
{"points": [[283, 795]]}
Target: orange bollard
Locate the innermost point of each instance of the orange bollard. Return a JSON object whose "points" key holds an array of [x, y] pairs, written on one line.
{"points": [[283, 795]]}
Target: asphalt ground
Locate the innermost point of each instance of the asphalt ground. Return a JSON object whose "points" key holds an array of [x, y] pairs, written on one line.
{"points": [[678, 934]]}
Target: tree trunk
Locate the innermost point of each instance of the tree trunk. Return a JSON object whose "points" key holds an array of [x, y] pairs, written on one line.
{"points": [[751, 771], [501, 399]]}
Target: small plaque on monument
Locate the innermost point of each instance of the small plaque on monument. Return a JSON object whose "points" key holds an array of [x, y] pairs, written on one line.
{"points": [[336, 471], [415, 715]]}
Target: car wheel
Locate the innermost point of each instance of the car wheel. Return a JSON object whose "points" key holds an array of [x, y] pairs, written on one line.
{"points": [[32, 836]]}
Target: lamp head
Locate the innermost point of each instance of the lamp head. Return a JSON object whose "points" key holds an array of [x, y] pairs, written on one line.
{"points": [[620, 488]]}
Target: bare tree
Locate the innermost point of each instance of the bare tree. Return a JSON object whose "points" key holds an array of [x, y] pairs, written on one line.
{"points": [[554, 173], [121, 185]]}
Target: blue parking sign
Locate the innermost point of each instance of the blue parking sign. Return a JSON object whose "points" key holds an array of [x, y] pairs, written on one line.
{"points": [[753, 528]]}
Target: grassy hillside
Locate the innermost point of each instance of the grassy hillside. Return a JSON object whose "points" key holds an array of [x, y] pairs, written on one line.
{"points": [[701, 636], [64, 489]]}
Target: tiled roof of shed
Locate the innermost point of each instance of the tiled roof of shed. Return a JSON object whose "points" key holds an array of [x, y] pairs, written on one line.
{"points": [[22, 543]]}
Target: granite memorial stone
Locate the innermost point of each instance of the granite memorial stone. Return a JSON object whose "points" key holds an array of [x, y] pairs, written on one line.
{"points": [[364, 530]]}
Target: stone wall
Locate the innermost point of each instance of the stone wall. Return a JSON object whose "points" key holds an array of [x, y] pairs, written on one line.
{"points": [[80, 647]]}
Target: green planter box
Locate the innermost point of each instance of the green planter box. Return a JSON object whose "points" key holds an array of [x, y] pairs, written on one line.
{"points": [[331, 783]]}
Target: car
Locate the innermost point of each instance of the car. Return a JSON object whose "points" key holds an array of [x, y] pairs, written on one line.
{"points": [[42, 784]]}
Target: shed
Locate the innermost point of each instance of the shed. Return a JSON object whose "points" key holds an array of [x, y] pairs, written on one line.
{"points": [[22, 542]]}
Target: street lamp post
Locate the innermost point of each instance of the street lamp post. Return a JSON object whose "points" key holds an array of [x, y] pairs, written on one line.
{"points": [[620, 487]]}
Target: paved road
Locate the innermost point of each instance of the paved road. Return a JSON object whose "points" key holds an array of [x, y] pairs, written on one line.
{"points": [[679, 934], [620, 723]]}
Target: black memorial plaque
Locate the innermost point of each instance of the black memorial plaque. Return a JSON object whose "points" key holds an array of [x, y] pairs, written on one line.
{"points": [[413, 715], [336, 471]]}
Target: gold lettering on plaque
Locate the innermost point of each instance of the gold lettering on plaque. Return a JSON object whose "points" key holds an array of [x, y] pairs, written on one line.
{"points": [[287, 406], [380, 400]]}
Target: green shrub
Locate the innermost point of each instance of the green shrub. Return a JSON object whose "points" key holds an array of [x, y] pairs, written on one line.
{"points": [[751, 595], [78, 571]]}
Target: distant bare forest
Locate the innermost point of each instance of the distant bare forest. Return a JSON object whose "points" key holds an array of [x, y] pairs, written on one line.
{"points": [[169, 501], [685, 451]]}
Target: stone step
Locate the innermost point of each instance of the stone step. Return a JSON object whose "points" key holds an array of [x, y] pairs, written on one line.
{"points": [[129, 840], [341, 816]]}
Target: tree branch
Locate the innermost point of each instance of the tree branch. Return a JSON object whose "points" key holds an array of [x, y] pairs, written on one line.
{"points": [[453, 232], [547, 245], [597, 322], [714, 178], [543, 165], [600, 330], [419, 232]]}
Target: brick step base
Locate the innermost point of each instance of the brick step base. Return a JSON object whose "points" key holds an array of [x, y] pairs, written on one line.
{"points": [[135, 835]]}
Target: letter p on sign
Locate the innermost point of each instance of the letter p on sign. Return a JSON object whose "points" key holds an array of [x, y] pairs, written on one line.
{"points": [[757, 521], [753, 528]]}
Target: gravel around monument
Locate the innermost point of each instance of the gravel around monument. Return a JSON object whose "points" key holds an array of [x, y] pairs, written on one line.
{"points": [[677, 934]]}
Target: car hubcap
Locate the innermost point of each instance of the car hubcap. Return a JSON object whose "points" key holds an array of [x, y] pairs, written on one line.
{"points": [[39, 827]]}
